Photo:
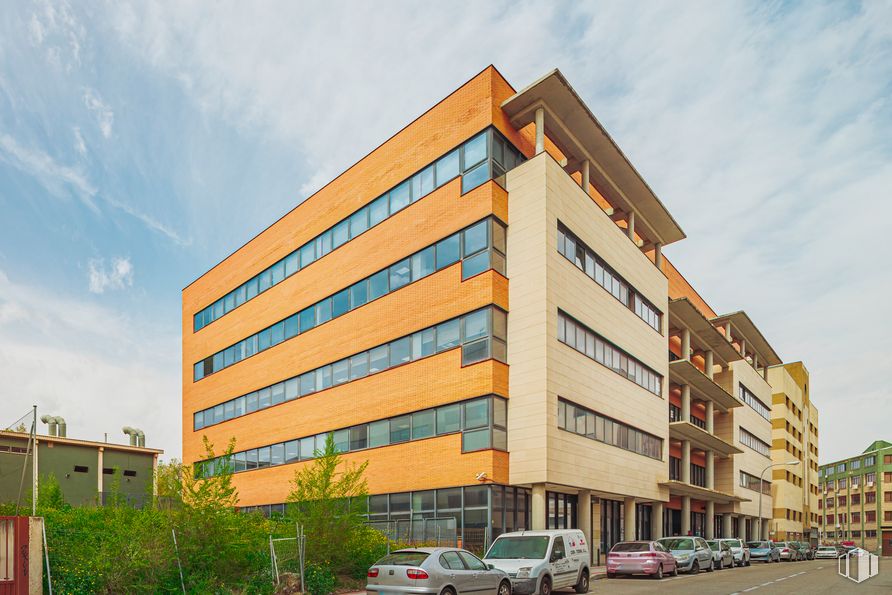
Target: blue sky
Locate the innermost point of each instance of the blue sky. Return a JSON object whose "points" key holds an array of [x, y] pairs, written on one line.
{"points": [[140, 143]]}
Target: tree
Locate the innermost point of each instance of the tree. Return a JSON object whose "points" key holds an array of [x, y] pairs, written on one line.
{"points": [[50, 495], [328, 498]]}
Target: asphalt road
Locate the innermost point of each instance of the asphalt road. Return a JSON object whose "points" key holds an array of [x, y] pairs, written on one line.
{"points": [[811, 577]]}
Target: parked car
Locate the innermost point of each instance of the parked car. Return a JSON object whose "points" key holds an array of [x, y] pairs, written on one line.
{"points": [[739, 549], [691, 553], [807, 550], [826, 552], [541, 561], [435, 571], [721, 554], [766, 551], [640, 557], [789, 551]]}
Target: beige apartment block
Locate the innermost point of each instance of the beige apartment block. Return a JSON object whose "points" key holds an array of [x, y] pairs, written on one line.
{"points": [[794, 422]]}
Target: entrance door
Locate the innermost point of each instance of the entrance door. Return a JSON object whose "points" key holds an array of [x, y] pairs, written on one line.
{"points": [[13, 555], [887, 543]]}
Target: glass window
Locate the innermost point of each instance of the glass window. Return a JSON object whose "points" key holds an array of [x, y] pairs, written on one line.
{"points": [[378, 211], [379, 433], [359, 294], [251, 459], [379, 358], [476, 413], [263, 340], [277, 454], [323, 311], [448, 419], [265, 280], [475, 177], [307, 383], [340, 234], [307, 254], [251, 402], [476, 325], [359, 437], [341, 440], [400, 428], [400, 351], [400, 274], [292, 263], [500, 439], [291, 389], [291, 326], [377, 285], [448, 251], [447, 168], [423, 263], [400, 197], [449, 499], [426, 181], [500, 412], [475, 150], [278, 393], [340, 371], [474, 265], [251, 289], [359, 222], [448, 335], [425, 342], [323, 377], [240, 406], [307, 319], [263, 457], [475, 351], [198, 420], [340, 303], [277, 333], [307, 448], [423, 424], [292, 451], [359, 365]]}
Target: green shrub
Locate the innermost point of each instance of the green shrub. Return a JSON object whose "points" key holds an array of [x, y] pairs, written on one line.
{"points": [[320, 579], [366, 546]]}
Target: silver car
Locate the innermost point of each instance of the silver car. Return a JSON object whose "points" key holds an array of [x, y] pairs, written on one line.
{"points": [[435, 571], [691, 553], [721, 554], [739, 549]]}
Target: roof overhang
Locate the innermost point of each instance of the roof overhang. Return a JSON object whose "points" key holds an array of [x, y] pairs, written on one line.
{"points": [[700, 438], [682, 371], [752, 334], [572, 127], [75, 442], [678, 488], [683, 312]]}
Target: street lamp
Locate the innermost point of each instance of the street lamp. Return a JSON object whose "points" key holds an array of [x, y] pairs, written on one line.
{"points": [[761, 486]]}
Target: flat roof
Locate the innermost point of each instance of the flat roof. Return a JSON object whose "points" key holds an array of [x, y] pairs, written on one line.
{"points": [[572, 127], [76, 442], [683, 310], [752, 334]]}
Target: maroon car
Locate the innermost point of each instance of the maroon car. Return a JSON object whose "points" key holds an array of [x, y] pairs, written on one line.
{"points": [[640, 557]]}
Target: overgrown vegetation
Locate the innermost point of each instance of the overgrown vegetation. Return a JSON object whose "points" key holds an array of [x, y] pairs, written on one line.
{"points": [[119, 549]]}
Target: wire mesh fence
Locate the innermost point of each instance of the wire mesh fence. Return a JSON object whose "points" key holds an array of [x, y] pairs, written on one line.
{"points": [[432, 532]]}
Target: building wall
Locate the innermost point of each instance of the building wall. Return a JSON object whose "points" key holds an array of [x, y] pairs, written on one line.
{"points": [[542, 368], [789, 487]]}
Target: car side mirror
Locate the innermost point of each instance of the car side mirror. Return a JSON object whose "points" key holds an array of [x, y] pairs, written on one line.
{"points": [[490, 566]]}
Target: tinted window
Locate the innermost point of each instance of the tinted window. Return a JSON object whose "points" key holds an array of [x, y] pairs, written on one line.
{"points": [[631, 546], [451, 561], [406, 558], [472, 561]]}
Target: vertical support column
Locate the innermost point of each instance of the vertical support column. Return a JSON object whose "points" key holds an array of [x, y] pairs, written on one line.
{"points": [[726, 525], [630, 230], [765, 373], [710, 520], [710, 414], [99, 473], [686, 461], [685, 515], [710, 469], [728, 332], [685, 402], [709, 363], [686, 344], [630, 522], [656, 520], [586, 179], [764, 524], [744, 534], [743, 348], [537, 509], [584, 516], [658, 255], [756, 360], [540, 130]]}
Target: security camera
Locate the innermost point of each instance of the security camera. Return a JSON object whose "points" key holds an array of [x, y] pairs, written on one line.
{"points": [[481, 476]]}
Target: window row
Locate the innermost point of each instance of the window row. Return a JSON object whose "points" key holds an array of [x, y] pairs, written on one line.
{"points": [[481, 335], [750, 441], [586, 341], [471, 161], [585, 422], [481, 421], [751, 482], [585, 259], [753, 401], [478, 247]]}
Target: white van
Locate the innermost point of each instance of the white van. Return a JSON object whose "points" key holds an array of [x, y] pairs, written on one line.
{"points": [[541, 561]]}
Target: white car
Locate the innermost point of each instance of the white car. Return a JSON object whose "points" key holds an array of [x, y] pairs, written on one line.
{"points": [[826, 552], [739, 550], [542, 561]]}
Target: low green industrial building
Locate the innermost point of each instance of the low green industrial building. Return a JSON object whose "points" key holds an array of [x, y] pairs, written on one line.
{"points": [[86, 470]]}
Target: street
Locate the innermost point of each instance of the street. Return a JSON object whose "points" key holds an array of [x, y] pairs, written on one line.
{"points": [[812, 577]]}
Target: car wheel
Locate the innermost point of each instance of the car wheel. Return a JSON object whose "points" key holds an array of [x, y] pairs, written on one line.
{"points": [[695, 567], [611, 575], [447, 591], [582, 585], [711, 567], [505, 588], [658, 575], [545, 587], [675, 570], [748, 562], [720, 565]]}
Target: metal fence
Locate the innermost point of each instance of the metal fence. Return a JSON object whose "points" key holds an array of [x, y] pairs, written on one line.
{"points": [[435, 532]]}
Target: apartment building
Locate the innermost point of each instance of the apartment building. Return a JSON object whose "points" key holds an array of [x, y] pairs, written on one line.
{"points": [[856, 499], [794, 423], [380, 311]]}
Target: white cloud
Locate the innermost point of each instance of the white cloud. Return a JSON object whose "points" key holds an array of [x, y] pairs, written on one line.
{"points": [[105, 117], [117, 275], [79, 145]]}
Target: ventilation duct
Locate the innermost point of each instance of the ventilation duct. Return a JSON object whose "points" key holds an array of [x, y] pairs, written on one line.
{"points": [[55, 424], [137, 436]]}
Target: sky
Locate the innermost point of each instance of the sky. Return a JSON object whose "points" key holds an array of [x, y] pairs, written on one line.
{"points": [[141, 143]]}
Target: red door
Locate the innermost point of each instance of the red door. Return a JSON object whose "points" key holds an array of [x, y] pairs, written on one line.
{"points": [[887, 543], [13, 555]]}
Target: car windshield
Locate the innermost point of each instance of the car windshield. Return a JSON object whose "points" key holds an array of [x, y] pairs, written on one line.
{"points": [[827, 548], [632, 546], [733, 542], [522, 547], [757, 544], [404, 558], [713, 545], [678, 544]]}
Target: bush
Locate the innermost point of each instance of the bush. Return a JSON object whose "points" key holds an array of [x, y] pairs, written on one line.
{"points": [[320, 579], [366, 546]]}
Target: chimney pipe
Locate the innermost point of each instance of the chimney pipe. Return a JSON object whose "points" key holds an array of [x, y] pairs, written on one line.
{"points": [[137, 436], [62, 431], [50, 421]]}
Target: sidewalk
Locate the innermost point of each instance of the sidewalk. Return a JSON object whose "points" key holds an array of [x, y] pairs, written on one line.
{"points": [[597, 573]]}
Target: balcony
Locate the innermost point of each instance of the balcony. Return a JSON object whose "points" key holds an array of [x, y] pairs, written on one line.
{"points": [[700, 438], [674, 412], [682, 371]]}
